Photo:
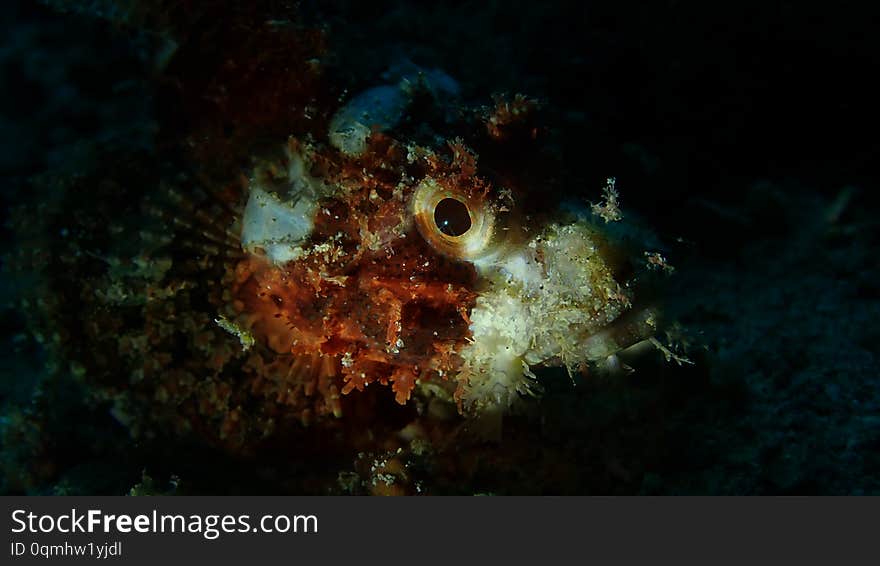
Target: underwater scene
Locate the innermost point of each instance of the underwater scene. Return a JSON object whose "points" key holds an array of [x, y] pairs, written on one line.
{"points": [[451, 248]]}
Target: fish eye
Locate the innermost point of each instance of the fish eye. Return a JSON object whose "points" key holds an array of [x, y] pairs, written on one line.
{"points": [[455, 222], [452, 217]]}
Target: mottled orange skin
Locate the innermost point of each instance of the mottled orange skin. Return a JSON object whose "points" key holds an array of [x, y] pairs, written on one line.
{"points": [[381, 306]]}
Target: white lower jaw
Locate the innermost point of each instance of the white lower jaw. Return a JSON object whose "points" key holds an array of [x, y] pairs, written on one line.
{"points": [[541, 305]]}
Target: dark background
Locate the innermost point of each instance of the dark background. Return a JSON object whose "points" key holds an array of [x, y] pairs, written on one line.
{"points": [[744, 133]]}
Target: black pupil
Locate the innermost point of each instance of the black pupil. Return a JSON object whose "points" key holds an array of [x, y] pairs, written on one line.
{"points": [[451, 217]]}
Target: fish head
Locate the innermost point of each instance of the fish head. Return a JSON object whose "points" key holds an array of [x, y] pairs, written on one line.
{"points": [[404, 265]]}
